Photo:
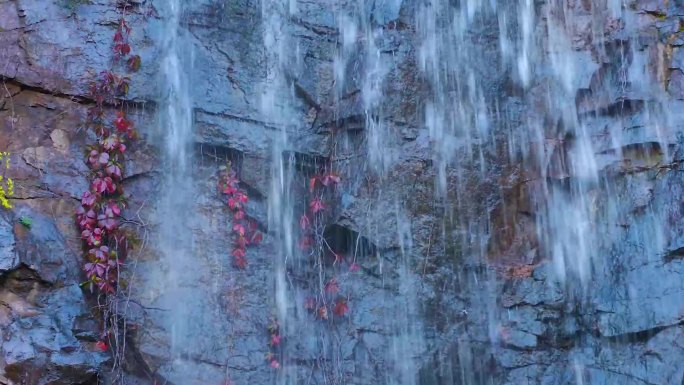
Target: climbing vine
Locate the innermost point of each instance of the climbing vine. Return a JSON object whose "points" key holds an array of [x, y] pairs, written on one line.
{"points": [[6, 184], [99, 218], [274, 355], [329, 300], [245, 230]]}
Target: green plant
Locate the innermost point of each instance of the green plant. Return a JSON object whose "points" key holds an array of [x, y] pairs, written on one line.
{"points": [[6, 184], [26, 221], [72, 5]]}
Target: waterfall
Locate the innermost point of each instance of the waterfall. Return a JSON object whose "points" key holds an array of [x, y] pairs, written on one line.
{"points": [[180, 270], [553, 218], [276, 109]]}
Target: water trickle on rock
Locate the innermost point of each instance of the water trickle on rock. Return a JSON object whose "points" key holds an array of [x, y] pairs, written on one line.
{"points": [[179, 273]]}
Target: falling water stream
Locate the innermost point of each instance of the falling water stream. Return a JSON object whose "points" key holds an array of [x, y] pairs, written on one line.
{"points": [[179, 295], [563, 149]]}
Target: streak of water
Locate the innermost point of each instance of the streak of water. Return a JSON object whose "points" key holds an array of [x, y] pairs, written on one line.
{"points": [[276, 108], [176, 203]]}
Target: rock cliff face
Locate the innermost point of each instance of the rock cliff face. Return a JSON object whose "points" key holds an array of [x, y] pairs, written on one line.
{"points": [[487, 257]]}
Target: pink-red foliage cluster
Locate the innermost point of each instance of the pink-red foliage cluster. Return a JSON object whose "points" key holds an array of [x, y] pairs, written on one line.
{"points": [[245, 230], [312, 240], [104, 244], [275, 344]]}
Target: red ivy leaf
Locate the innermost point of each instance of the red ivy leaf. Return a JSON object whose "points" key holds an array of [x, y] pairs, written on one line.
{"points": [[122, 49], [240, 229], [341, 308], [323, 312], [312, 184], [257, 238], [114, 171], [253, 226], [101, 345], [122, 124], [241, 197], [316, 205], [332, 287], [240, 262], [88, 199], [305, 242], [234, 204], [304, 222], [330, 179]]}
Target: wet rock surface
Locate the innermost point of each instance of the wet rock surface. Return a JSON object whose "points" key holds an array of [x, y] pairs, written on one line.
{"points": [[490, 309]]}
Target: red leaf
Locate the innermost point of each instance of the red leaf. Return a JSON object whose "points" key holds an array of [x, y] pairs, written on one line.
{"points": [[275, 364], [257, 238], [121, 123], [116, 210], [330, 179], [240, 262], [275, 339], [88, 199], [332, 287], [238, 252], [241, 197], [110, 186], [239, 215], [103, 159], [341, 308], [312, 184], [99, 185], [93, 157], [122, 49], [304, 222], [305, 242], [114, 171], [241, 242], [240, 229], [234, 204], [323, 312], [101, 345], [354, 268], [230, 190], [316, 205]]}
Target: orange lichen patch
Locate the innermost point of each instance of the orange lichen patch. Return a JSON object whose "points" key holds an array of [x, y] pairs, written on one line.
{"points": [[515, 271], [524, 271]]}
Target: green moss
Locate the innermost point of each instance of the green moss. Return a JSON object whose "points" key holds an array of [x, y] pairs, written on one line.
{"points": [[72, 5]]}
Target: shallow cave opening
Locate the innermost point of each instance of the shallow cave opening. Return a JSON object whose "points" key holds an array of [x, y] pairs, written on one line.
{"points": [[348, 243], [306, 164], [220, 154]]}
